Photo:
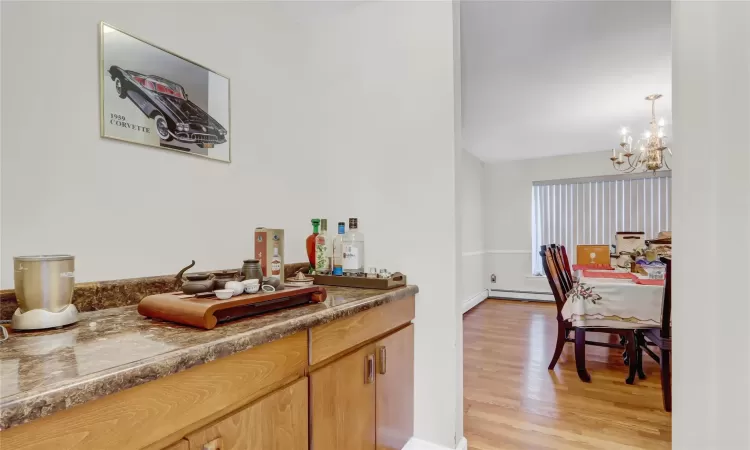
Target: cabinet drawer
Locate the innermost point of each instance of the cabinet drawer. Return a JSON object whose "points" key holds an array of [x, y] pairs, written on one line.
{"points": [[341, 335], [275, 422]]}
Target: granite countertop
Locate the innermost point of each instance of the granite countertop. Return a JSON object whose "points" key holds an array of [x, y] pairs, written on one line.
{"points": [[114, 349]]}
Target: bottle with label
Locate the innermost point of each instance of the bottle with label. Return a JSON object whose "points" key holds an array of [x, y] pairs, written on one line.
{"points": [[322, 249], [310, 243], [354, 249], [276, 262], [338, 251]]}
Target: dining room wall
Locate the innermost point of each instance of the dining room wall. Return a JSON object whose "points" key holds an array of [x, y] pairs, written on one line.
{"points": [[473, 288], [507, 217]]}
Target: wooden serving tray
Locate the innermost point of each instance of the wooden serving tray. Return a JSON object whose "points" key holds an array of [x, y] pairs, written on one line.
{"points": [[208, 311], [396, 280]]}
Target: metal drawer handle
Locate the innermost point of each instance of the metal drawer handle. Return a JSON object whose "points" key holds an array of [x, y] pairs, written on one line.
{"points": [[383, 358], [369, 369]]}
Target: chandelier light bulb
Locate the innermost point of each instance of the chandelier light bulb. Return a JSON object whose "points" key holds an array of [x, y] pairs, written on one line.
{"points": [[624, 131], [661, 133], [647, 134], [661, 122]]}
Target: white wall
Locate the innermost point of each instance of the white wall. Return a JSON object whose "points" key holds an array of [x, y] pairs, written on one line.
{"points": [[473, 280], [340, 104], [711, 217], [507, 212]]}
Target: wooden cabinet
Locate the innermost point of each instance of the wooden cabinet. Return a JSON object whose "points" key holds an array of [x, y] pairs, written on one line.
{"points": [[342, 403], [156, 414], [394, 389], [340, 336], [365, 400], [358, 396], [275, 422]]}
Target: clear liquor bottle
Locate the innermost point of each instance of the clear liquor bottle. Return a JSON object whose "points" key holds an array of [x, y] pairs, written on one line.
{"points": [[354, 249], [323, 249], [338, 251]]}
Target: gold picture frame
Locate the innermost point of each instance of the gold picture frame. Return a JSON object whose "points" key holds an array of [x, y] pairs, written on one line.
{"points": [[159, 110]]}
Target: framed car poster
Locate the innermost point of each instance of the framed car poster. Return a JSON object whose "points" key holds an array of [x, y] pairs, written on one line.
{"points": [[153, 97]]}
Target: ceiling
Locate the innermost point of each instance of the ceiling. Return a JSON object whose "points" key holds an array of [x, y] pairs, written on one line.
{"points": [[545, 78]]}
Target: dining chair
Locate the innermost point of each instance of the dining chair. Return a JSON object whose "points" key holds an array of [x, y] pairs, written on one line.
{"points": [[565, 327], [662, 338]]}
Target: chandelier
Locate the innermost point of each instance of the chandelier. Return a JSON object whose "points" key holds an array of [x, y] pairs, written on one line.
{"points": [[650, 146]]}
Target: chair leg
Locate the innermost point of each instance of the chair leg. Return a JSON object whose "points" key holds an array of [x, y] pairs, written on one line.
{"points": [[631, 346], [639, 342], [581, 355], [666, 379], [624, 343], [561, 334]]}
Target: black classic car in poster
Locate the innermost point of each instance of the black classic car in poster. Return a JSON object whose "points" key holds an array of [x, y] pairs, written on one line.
{"points": [[153, 97]]}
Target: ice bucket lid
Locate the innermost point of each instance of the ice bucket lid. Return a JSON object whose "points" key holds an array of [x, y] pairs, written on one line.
{"points": [[43, 258]]}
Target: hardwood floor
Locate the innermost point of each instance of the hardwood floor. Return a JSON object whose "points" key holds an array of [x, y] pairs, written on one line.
{"points": [[511, 400]]}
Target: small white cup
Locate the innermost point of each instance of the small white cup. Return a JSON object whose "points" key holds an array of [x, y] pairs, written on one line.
{"points": [[251, 282], [252, 288]]}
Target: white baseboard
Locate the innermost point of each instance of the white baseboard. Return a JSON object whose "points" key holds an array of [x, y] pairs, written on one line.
{"points": [[474, 300], [418, 444], [522, 296]]}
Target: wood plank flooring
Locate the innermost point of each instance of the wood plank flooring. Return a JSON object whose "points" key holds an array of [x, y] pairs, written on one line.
{"points": [[511, 400]]}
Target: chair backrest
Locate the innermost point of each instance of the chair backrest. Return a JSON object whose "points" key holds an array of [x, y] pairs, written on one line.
{"points": [[566, 278], [553, 277], [566, 263], [666, 305]]}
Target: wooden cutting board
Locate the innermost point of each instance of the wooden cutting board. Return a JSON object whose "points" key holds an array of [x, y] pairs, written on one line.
{"points": [[207, 312]]}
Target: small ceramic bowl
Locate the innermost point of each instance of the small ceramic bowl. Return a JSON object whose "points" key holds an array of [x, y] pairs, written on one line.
{"points": [[224, 294], [253, 281], [236, 286], [252, 288]]}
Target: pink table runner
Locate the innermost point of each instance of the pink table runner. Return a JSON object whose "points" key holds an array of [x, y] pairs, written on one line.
{"points": [[609, 274]]}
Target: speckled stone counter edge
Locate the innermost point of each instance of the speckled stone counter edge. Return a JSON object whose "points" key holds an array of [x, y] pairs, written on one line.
{"points": [[37, 404], [97, 295]]}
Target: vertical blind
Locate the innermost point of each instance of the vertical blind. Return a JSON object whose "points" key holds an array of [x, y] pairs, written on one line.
{"points": [[591, 210]]}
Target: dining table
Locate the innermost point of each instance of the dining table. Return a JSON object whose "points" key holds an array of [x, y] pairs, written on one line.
{"points": [[614, 299]]}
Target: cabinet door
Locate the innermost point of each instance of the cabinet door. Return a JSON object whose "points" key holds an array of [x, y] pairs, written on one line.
{"points": [[394, 388], [342, 403], [275, 422]]}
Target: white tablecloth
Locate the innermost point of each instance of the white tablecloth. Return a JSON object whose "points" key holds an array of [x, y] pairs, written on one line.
{"points": [[615, 303]]}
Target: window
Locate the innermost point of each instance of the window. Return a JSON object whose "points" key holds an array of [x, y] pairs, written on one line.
{"points": [[591, 210]]}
